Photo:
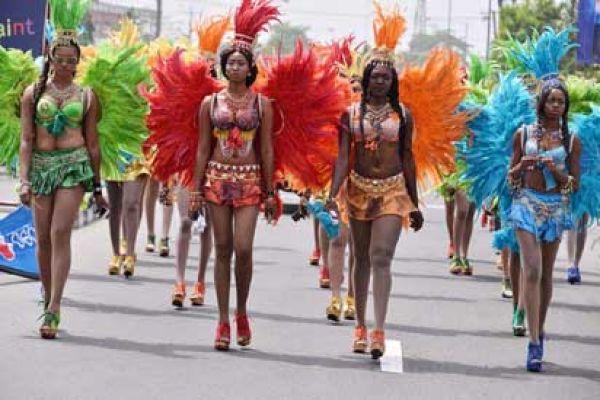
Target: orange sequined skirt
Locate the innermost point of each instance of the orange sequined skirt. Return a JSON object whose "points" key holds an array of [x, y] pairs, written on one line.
{"points": [[233, 185], [369, 199]]}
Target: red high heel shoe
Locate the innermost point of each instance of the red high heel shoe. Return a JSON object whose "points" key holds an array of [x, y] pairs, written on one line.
{"points": [[222, 338], [244, 335]]}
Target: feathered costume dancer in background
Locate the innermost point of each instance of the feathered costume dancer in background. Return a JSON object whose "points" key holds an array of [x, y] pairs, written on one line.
{"points": [[210, 34], [114, 70], [385, 159], [59, 153]]}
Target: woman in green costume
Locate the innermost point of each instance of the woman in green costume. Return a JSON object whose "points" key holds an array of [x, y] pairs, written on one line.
{"points": [[59, 155]]}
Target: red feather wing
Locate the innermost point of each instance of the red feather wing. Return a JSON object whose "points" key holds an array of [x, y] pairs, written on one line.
{"points": [[173, 119], [308, 100]]}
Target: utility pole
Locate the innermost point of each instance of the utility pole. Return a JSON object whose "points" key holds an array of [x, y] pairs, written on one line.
{"points": [[159, 12], [421, 17], [489, 30], [449, 25]]}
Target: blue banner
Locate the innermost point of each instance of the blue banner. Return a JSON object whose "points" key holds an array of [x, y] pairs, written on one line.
{"points": [[589, 32], [22, 24], [18, 245]]}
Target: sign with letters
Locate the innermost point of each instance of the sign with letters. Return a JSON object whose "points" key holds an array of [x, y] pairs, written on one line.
{"points": [[18, 244], [22, 25]]}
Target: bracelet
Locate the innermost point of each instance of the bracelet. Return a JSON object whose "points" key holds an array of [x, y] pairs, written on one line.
{"points": [[569, 186]]}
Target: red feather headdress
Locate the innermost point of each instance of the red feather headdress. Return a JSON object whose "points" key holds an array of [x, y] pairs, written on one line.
{"points": [[251, 18]]}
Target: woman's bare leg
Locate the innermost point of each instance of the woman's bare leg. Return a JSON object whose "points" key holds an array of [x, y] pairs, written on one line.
{"points": [[42, 213], [549, 251], [65, 211], [460, 219], [576, 239], [337, 250], [316, 233], [324, 246], [516, 281], [385, 232], [133, 192], [115, 198], [152, 189], [351, 264], [531, 262], [468, 231], [243, 241], [361, 235], [222, 217], [449, 207], [206, 243], [184, 236]]}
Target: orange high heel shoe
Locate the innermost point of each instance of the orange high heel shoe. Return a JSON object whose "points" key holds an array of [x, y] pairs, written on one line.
{"points": [[244, 335], [178, 295], [377, 344], [197, 298], [314, 258], [222, 337], [360, 343]]}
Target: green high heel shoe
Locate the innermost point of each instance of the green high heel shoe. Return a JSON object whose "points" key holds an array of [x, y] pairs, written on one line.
{"points": [[50, 323]]}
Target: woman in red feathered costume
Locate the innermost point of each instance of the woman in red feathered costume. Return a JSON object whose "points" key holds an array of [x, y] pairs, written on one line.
{"points": [[234, 167]]}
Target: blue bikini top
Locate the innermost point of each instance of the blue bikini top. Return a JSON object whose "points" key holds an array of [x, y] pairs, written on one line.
{"points": [[558, 155]]}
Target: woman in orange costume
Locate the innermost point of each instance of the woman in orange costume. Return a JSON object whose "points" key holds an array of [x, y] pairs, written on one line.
{"points": [[382, 182]]}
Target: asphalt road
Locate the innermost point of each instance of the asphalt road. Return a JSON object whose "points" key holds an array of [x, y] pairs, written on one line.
{"points": [[121, 339]]}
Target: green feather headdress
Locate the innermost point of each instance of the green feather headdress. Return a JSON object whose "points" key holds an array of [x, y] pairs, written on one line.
{"points": [[66, 17]]}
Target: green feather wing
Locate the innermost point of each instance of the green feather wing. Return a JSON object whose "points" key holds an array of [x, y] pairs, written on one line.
{"points": [[114, 75], [18, 72]]}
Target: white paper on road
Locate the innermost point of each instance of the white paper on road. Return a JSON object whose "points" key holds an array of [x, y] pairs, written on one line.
{"points": [[392, 359]]}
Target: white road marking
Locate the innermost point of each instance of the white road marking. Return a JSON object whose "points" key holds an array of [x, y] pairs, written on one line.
{"points": [[392, 359]]}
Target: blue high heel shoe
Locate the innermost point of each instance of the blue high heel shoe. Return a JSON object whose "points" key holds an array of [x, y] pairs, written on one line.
{"points": [[534, 357], [573, 275]]}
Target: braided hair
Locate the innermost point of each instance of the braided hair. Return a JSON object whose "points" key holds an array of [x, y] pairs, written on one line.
{"points": [[547, 88], [393, 97]]}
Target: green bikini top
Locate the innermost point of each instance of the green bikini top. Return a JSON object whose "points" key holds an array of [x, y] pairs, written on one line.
{"points": [[54, 118]]}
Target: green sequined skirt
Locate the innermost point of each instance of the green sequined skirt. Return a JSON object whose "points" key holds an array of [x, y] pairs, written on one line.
{"points": [[65, 168]]}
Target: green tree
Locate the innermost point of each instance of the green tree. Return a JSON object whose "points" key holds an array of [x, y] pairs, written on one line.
{"points": [[519, 20], [283, 38]]}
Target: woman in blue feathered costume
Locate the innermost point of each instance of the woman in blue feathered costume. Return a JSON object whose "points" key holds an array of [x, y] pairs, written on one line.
{"points": [[544, 173]]}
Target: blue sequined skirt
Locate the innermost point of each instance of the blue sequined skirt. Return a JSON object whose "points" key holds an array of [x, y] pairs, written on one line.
{"points": [[545, 215]]}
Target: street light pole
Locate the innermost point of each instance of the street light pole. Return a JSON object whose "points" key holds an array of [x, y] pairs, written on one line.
{"points": [[489, 30], [158, 17]]}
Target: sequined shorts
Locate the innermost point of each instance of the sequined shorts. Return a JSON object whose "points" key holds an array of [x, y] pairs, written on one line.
{"points": [[545, 215], [233, 185], [369, 199]]}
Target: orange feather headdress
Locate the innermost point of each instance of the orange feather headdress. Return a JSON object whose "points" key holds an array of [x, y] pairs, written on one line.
{"points": [[210, 33], [251, 18], [388, 28]]}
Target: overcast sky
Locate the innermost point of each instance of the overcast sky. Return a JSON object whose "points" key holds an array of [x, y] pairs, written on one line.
{"points": [[329, 19]]}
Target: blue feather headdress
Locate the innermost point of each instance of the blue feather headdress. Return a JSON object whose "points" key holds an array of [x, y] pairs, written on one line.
{"points": [[542, 54]]}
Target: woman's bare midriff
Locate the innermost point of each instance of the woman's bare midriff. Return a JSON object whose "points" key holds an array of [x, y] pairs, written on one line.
{"points": [[218, 156], [379, 164], [72, 138]]}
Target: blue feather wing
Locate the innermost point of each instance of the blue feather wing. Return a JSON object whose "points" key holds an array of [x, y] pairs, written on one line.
{"points": [[587, 198], [510, 106]]}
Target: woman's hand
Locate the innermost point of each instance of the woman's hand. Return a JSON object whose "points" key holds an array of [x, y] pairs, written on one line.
{"points": [[549, 163], [102, 205], [416, 220], [528, 163], [270, 208], [196, 203], [25, 194], [331, 205]]}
